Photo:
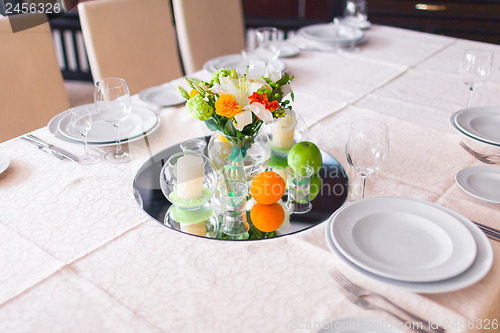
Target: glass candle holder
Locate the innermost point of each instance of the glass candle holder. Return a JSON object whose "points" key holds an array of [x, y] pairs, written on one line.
{"points": [[234, 197], [194, 145], [188, 180], [200, 221], [299, 189], [286, 131]]}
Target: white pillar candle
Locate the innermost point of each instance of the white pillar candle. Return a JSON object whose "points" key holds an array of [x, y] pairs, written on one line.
{"points": [[284, 131], [190, 177]]}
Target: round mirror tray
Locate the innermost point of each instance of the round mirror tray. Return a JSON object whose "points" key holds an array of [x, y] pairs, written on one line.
{"points": [[147, 191]]}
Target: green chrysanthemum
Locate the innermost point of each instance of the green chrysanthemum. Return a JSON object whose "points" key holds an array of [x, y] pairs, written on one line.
{"points": [[223, 71], [199, 109]]}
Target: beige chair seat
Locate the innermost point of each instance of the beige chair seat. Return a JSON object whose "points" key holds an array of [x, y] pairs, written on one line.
{"points": [[131, 39], [32, 85]]}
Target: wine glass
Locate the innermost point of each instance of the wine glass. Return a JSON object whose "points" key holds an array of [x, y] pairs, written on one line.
{"points": [[367, 147], [356, 13], [112, 101], [475, 68], [267, 43], [81, 120]]}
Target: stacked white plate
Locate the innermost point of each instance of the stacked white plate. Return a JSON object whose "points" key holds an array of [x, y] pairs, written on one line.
{"points": [[479, 123], [162, 96], [335, 34], [409, 243], [140, 122], [256, 66]]}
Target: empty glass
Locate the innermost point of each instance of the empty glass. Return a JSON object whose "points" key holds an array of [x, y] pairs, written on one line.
{"points": [[367, 147], [475, 68], [234, 200], [112, 101], [267, 41], [299, 189], [356, 13], [81, 120]]}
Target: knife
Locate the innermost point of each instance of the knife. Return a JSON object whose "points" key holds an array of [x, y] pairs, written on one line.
{"points": [[489, 231], [42, 148], [53, 148]]}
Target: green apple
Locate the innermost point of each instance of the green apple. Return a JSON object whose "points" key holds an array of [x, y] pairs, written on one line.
{"points": [[305, 153], [315, 188]]}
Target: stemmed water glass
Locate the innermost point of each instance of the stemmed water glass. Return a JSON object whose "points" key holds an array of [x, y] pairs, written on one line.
{"points": [[475, 68], [356, 13], [112, 101], [267, 43], [81, 120], [367, 147]]}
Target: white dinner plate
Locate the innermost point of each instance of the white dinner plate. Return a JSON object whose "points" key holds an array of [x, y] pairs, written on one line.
{"points": [[257, 67], [482, 123], [359, 325], [482, 182], [165, 95], [142, 121], [403, 239], [332, 34], [4, 162], [478, 269]]}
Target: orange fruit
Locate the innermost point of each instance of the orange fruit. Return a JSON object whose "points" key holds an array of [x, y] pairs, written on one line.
{"points": [[267, 218], [267, 187]]}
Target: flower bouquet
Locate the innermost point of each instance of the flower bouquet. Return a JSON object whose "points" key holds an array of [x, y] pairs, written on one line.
{"points": [[237, 105]]}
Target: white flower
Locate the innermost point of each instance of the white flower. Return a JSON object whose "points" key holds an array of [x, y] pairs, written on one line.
{"points": [[286, 89], [273, 75], [241, 89]]}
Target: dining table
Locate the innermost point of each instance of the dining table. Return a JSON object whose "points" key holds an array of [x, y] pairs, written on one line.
{"points": [[79, 254]]}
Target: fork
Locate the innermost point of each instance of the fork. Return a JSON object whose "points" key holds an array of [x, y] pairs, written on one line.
{"points": [[356, 292], [482, 157]]}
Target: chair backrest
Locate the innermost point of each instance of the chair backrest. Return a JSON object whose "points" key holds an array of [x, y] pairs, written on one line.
{"points": [[131, 39], [208, 29], [32, 88]]}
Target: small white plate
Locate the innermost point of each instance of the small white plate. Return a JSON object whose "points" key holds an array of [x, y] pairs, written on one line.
{"points": [[257, 67], [482, 182], [4, 162], [333, 34], [358, 325], [403, 239], [479, 268], [481, 123], [140, 122], [165, 95]]}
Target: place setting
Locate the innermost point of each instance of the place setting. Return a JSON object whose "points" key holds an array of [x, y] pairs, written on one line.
{"points": [[480, 124], [342, 34], [112, 120], [405, 242], [265, 53]]}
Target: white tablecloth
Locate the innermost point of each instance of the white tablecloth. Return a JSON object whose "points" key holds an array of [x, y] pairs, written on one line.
{"points": [[77, 254]]}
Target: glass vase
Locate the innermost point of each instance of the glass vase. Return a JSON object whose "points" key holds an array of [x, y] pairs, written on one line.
{"points": [[239, 158]]}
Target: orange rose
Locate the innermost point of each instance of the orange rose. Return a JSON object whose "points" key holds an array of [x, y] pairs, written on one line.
{"points": [[226, 106]]}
